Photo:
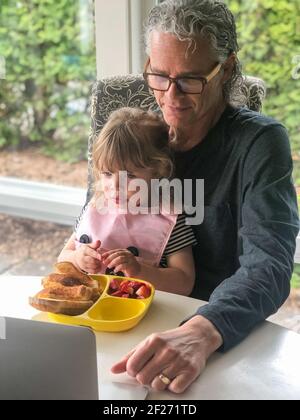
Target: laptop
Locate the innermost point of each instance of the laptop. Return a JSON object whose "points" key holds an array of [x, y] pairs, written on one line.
{"points": [[45, 361]]}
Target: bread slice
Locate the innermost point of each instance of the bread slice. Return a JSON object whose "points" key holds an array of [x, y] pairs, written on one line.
{"points": [[67, 291], [70, 269], [53, 280], [60, 279], [58, 306], [56, 291]]}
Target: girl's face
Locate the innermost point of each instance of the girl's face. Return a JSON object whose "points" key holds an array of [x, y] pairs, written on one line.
{"points": [[112, 184]]}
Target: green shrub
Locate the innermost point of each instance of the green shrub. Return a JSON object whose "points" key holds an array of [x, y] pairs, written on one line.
{"points": [[49, 66], [269, 35], [295, 282]]}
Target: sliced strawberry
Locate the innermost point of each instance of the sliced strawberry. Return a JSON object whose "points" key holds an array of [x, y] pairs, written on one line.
{"points": [[125, 295], [124, 282], [135, 285], [143, 292], [114, 284], [126, 288], [118, 293]]}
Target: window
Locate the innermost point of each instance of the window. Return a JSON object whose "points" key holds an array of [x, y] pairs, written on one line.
{"points": [[47, 49], [47, 65]]}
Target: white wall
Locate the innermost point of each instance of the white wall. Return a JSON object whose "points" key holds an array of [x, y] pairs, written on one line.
{"points": [[119, 28]]}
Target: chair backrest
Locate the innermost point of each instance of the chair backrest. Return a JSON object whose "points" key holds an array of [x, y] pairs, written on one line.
{"points": [[113, 93]]}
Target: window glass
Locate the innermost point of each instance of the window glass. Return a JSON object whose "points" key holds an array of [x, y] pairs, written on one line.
{"points": [[47, 65], [47, 51]]}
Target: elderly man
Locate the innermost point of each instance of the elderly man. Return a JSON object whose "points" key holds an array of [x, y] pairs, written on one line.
{"points": [[244, 257]]}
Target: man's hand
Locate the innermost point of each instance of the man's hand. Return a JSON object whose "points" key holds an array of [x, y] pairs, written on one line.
{"points": [[88, 258], [122, 260], [179, 354]]}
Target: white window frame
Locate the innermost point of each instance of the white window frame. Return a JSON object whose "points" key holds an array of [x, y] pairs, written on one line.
{"points": [[119, 36]]}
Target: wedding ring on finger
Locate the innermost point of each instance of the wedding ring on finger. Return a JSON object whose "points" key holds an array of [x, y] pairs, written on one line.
{"points": [[164, 379]]}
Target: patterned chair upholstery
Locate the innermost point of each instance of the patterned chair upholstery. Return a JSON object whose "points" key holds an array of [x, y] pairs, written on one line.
{"points": [[112, 93]]}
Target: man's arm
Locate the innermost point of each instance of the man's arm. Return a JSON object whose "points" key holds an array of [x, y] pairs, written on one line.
{"points": [[269, 227]]}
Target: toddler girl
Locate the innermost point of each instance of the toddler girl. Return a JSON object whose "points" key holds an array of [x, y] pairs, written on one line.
{"points": [[120, 230]]}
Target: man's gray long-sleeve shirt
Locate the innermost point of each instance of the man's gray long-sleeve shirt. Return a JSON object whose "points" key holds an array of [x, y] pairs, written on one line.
{"points": [[246, 243]]}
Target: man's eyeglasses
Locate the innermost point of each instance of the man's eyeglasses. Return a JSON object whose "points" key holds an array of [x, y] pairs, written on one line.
{"points": [[189, 84]]}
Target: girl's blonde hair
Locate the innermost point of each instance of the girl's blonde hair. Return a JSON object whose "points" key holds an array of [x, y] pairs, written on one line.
{"points": [[133, 138]]}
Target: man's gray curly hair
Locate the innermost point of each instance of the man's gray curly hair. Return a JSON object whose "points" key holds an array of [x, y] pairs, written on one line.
{"points": [[190, 20]]}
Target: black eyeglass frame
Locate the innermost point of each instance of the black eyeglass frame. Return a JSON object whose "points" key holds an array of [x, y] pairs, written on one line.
{"points": [[204, 79]]}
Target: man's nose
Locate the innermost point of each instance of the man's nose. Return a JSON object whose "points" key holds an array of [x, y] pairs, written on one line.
{"points": [[173, 91]]}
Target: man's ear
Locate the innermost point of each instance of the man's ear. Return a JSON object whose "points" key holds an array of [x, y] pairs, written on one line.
{"points": [[228, 67]]}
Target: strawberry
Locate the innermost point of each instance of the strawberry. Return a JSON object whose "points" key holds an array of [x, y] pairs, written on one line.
{"points": [[129, 289], [118, 293], [114, 284], [126, 288], [143, 292], [124, 282], [135, 285]]}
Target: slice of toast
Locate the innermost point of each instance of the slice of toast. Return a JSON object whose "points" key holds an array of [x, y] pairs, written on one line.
{"points": [[56, 291], [70, 269], [58, 306], [55, 280], [67, 291]]}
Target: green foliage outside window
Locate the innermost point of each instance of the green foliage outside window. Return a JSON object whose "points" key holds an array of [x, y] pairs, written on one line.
{"points": [[269, 37], [48, 50], [295, 281]]}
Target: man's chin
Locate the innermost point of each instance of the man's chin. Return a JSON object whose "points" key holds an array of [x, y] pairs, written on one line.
{"points": [[179, 122], [175, 122]]}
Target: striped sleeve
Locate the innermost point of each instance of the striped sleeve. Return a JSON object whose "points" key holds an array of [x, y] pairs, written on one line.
{"points": [[181, 237]]}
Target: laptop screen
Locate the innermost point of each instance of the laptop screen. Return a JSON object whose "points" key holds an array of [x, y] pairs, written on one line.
{"points": [[40, 360]]}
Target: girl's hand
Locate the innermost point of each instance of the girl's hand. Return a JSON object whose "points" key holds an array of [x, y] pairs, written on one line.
{"points": [[87, 258], [122, 260]]}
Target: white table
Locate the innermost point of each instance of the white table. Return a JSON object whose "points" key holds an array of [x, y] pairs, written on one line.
{"points": [[265, 366]]}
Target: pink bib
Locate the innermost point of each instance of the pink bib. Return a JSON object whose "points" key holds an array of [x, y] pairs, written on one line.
{"points": [[149, 233]]}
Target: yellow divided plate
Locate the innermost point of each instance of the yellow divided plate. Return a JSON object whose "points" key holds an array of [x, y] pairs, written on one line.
{"points": [[110, 313]]}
